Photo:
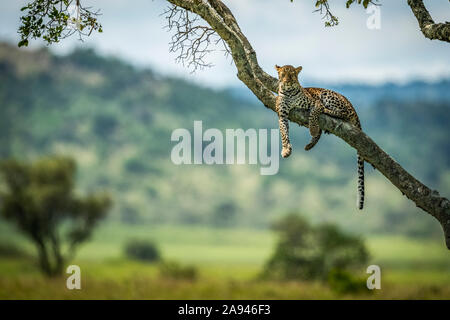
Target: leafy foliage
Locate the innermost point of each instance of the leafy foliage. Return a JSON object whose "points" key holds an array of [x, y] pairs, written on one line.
{"points": [[306, 252], [365, 3], [51, 20], [344, 282], [323, 7], [11, 250], [142, 250], [39, 199]]}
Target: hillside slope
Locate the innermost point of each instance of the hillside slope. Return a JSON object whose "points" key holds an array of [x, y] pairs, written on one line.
{"points": [[116, 121]]}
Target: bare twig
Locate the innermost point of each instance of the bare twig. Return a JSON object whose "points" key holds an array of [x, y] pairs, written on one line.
{"points": [[324, 9], [191, 40]]}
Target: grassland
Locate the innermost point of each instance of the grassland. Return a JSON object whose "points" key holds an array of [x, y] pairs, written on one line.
{"points": [[228, 262]]}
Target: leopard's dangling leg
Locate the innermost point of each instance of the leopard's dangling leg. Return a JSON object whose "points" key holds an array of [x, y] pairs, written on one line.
{"points": [[314, 128], [313, 141], [284, 131], [283, 121], [314, 119]]}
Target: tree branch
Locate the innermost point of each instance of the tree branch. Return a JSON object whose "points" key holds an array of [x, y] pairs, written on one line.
{"points": [[191, 40], [428, 200], [220, 18], [431, 30]]}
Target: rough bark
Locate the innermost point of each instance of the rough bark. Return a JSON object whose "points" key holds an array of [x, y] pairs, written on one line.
{"points": [[220, 18], [430, 29]]}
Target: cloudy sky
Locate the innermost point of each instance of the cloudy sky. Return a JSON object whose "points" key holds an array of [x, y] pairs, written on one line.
{"points": [[281, 32]]}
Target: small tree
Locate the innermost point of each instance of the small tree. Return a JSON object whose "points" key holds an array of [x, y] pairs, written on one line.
{"points": [[39, 198], [142, 250], [307, 252]]}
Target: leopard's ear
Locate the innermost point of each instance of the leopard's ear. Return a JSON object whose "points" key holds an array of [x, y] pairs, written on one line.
{"points": [[298, 69], [277, 67]]}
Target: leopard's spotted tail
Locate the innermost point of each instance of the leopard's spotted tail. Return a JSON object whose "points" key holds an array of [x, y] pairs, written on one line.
{"points": [[360, 200]]}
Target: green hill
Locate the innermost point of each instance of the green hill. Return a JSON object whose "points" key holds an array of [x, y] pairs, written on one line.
{"points": [[116, 121]]}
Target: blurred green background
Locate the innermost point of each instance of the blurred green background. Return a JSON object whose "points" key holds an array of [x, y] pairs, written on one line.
{"points": [[210, 224]]}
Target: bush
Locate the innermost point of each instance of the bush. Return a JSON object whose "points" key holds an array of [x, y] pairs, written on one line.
{"points": [[172, 269], [105, 125], [344, 282], [10, 250], [305, 252], [142, 250], [224, 215], [136, 165]]}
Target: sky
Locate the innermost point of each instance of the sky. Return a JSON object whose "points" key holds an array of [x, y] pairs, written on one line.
{"points": [[281, 32]]}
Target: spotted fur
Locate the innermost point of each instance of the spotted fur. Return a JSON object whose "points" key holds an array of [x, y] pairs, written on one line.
{"points": [[291, 94]]}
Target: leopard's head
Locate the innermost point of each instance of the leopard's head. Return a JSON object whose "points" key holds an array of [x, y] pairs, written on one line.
{"points": [[288, 74]]}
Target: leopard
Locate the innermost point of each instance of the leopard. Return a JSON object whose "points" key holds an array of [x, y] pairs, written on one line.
{"points": [[317, 101]]}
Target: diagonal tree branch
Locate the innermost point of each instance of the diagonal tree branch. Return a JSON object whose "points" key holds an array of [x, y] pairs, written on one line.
{"points": [[431, 30], [425, 198], [220, 18]]}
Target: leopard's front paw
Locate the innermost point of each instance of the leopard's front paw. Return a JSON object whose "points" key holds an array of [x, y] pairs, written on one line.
{"points": [[286, 152]]}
